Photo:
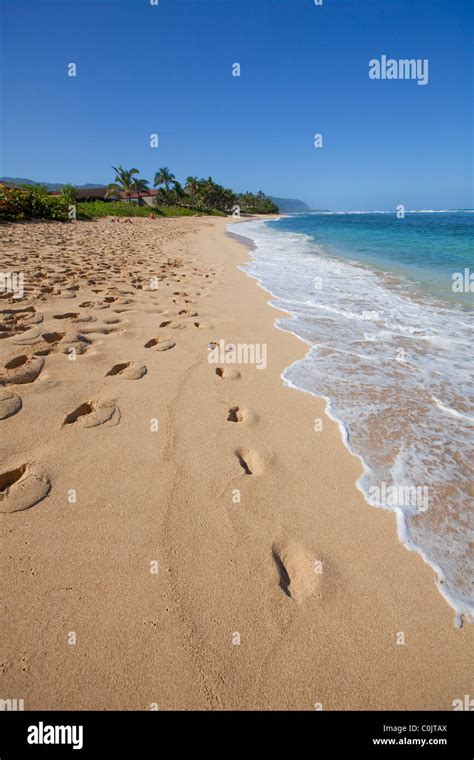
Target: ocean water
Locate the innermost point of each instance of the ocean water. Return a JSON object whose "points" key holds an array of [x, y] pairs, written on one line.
{"points": [[384, 307]]}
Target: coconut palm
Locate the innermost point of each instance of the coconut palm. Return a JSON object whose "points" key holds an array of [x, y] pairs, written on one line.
{"points": [[192, 187], [140, 186], [124, 183], [164, 177]]}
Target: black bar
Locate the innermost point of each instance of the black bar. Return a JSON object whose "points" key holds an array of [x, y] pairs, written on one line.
{"points": [[324, 734]]}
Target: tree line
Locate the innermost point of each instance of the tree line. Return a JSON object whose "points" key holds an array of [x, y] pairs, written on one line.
{"points": [[201, 194]]}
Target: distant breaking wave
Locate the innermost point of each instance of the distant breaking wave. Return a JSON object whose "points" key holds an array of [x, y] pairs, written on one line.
{"points": [[407, 211]]}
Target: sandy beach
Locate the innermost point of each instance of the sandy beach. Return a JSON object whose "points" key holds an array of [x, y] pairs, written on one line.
{"points": [[179, 534]]}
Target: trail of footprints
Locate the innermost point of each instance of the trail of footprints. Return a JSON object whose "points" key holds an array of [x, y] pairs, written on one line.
{"points": [[26, 485], [114, 255], [294, 564]]}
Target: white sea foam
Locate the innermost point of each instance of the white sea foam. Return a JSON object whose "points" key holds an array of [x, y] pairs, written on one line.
{"points": [[394, 371]]}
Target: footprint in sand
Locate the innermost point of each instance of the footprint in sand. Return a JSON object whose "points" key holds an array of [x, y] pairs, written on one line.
{"points": [[62, 343], [173, 325], [28, 337], [21, 370], [100, 330], [250, 461], [297, 570], [160, 344], [84, 318], [10, 404], [235, 414], [67, 315], [94, 413], [241, 415], [94, 305], [228, 374], [48, 343], [187, 313], [202, 325], [112, 321], [77, 341], [128, 370], [22, 488]]}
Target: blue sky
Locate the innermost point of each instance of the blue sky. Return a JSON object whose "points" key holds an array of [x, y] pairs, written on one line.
{"points": [[167, 69]]}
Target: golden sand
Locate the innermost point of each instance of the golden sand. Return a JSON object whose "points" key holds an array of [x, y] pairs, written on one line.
{"points": [[179, 533]]}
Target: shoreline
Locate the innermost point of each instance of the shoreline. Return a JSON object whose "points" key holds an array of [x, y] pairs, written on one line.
{"points": [[304, 638], [462, 609]]}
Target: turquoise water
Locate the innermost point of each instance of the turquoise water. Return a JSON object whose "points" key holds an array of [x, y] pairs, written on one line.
{"points": [[390, 349], [426, 248]]}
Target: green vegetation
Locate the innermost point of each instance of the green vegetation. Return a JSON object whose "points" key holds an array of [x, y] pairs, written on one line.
{"points": [[256, 204], [205, 195], [31, 202], [69, 192], [198, 196], [126, 183], [94, 209]]}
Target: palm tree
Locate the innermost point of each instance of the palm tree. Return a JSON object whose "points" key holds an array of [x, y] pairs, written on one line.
{"points": [[192, 187], [140, 186], [124, 182], [163, 197], [178, 194], [164, 177]]}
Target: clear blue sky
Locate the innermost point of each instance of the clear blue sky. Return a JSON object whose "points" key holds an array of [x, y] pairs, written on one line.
{"points": [[304, 69]]}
